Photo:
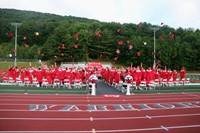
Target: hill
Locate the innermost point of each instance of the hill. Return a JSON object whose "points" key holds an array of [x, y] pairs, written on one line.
{"points": [[66, 38]]}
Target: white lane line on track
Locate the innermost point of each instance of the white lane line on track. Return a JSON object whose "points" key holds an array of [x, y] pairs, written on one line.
{"points": [[91, 119], [166, 129], [108, 131], [106, 118], [188, 94], [93, 130], [132, 100], [148, 117]]}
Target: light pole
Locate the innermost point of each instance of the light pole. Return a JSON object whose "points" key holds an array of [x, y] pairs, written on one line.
{"points": [[154, 45], [16, 25]]}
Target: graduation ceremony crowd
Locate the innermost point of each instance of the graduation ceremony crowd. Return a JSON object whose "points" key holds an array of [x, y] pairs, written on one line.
{"points": [[111, 76]]}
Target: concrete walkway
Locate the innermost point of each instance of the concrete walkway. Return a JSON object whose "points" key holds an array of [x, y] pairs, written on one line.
{"points": [[103, 88]]}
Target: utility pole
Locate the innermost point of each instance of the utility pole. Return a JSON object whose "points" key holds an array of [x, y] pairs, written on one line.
{"points": [[16, 25], [154, 45]]}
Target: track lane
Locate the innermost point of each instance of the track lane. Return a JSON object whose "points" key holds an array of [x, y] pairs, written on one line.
{"points": [[155, 120]]}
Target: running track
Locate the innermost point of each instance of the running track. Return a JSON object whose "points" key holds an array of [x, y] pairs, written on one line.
{"points": [[153, 113]]}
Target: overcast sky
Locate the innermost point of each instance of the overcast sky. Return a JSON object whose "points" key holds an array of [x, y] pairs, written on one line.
{"points": [[174, 13]]}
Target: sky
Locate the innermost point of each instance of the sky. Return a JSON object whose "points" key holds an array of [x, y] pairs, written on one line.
{"points": [[174, 13]]}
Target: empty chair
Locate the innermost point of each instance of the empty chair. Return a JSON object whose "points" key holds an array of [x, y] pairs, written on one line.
{"points": [[45, 82], [56, 83], [67, 83], [77, 83], [19, 81], [143, 85], [11, 81], [27, 82]]}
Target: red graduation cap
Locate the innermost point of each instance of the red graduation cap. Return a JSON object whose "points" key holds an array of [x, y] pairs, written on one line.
{"points": [[130, 47], [115, 58], [118, 51], [120, 42], [24, 38], [76, 36], [87, 54], [75, 46], [62, 54], [118, 30], [10, 34], [97, 33], [26, 45], [138, 54], [171, 35], [63, 46], [55, 57], [42, 54], [161, 37], [100, 56], [128, 41], [14, 50], [139, 25]]}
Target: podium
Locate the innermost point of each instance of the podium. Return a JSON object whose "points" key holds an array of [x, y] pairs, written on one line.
{"points": [[128, 89], [93, 89]]}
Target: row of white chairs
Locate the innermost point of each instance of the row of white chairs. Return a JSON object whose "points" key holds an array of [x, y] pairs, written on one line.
{"points": [[152, 84], [77, 83]]}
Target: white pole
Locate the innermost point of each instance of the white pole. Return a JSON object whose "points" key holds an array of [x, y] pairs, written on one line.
{"points": [[16, 25], [154, 50], [154, 45], [93, 89], [128, 89]]}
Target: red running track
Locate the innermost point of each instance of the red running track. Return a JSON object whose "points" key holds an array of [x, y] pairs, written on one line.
{"points": [[152, 113]]}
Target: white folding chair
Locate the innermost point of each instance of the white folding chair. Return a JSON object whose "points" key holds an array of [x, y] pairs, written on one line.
{"points": [[56, 83], [77, 83], [45, 82], [67, 83], [143, 85], [35, 82], [11, 81], [19, 81]]}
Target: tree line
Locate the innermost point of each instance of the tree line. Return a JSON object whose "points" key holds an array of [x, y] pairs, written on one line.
{"points": [[66, 38]]}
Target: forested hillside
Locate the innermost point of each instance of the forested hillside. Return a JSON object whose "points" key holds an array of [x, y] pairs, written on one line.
{"points": [[67, 38]]}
